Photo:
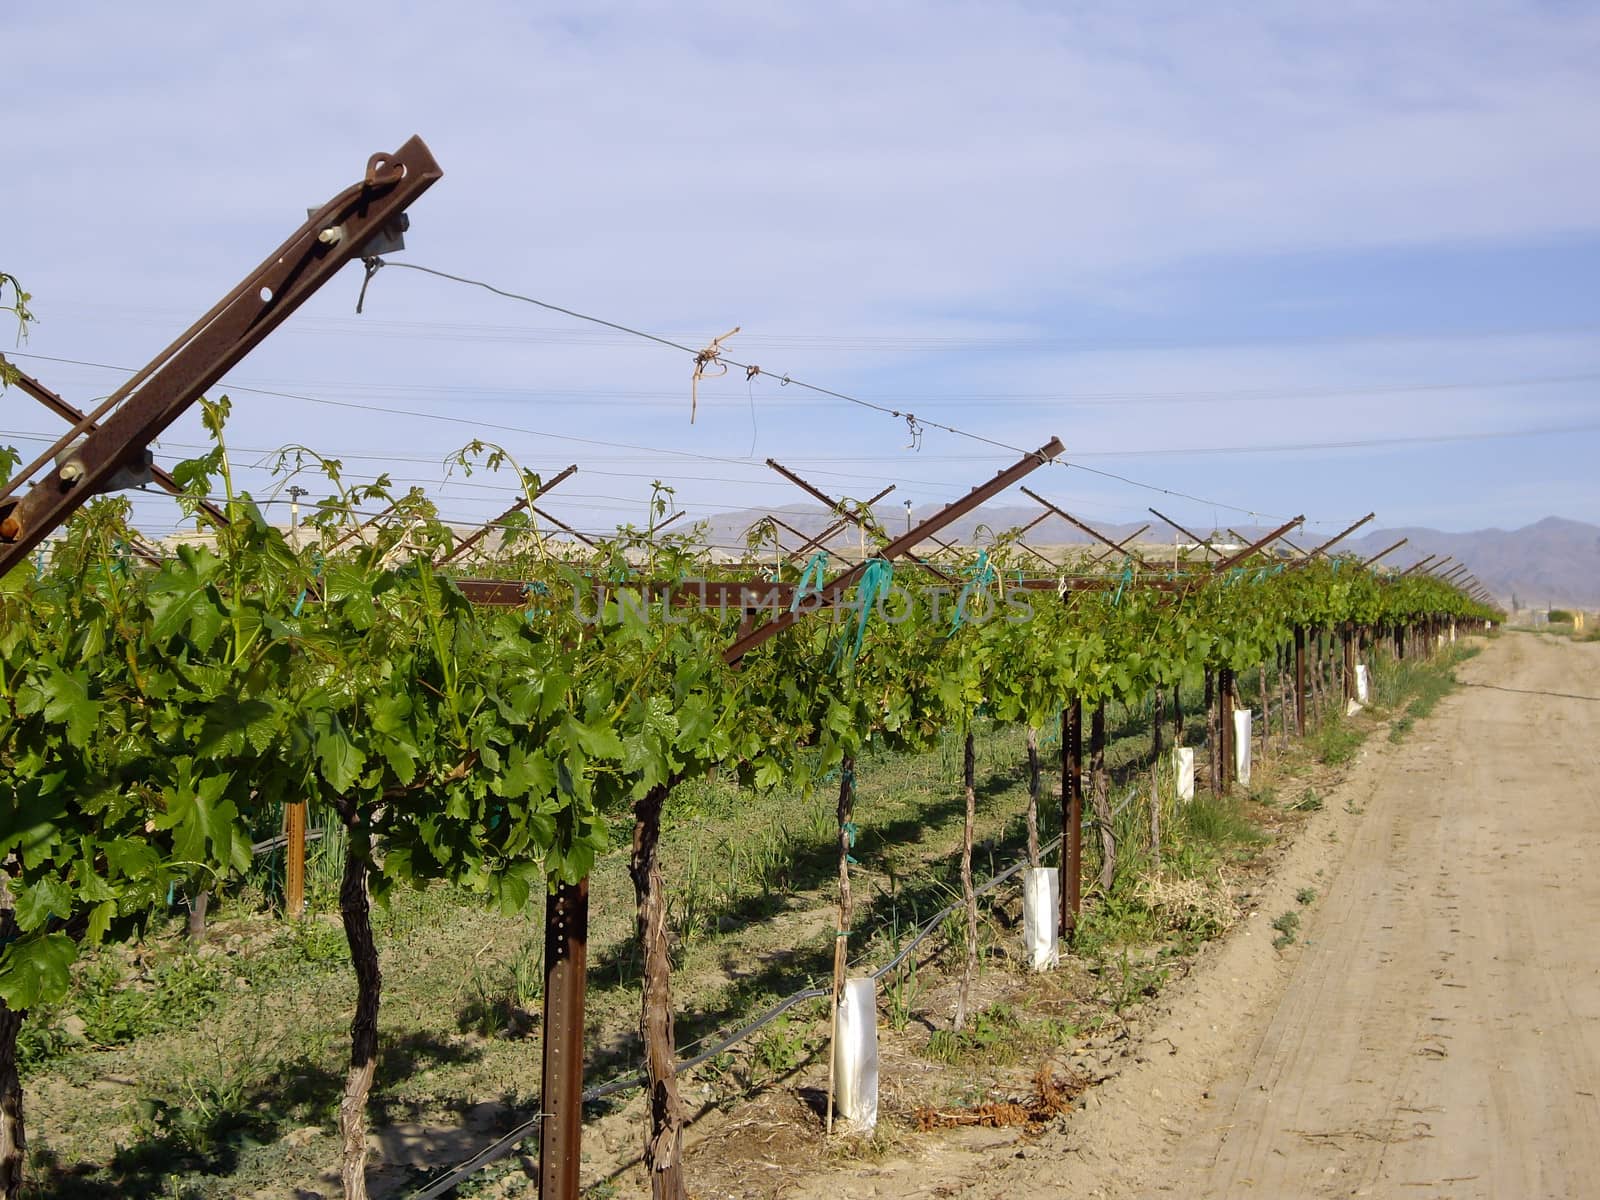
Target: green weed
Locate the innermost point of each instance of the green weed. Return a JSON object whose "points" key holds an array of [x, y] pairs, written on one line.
{"points": [[1287, 924], [116, 1009], [1336, 742], [1129, 981], [1310, 802], [991, 1038], [901, 995], [779, 1048]]}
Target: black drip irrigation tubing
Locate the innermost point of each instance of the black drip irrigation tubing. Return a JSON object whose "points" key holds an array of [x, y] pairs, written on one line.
{"points": [[503, 1147]]}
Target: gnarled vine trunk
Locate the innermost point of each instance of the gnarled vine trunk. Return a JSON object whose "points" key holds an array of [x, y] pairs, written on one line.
{"points": [[1266, 709], [663, 1148], [1155, 780], [1102, 798], [13, 1139], [355, 909], [1033, 796], [197, 915], [1213, 735]]}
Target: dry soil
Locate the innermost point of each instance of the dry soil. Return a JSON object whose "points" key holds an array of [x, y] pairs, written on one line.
{"points": [[1434, 1032]]}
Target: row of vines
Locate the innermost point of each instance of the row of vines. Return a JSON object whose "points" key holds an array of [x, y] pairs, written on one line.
{"points": [[155, 713]]}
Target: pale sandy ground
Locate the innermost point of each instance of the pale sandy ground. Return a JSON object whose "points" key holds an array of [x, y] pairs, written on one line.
{"points": [[1435, 1033]]}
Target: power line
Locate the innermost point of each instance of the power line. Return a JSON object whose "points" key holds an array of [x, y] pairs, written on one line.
{"points": [[906, 343]]}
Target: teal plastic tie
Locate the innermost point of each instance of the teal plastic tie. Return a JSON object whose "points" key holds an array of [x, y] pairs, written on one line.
{"points": [[316, 573], [874, 586], [850, 832], [980, 574], [811, 580], [1127, 577]]}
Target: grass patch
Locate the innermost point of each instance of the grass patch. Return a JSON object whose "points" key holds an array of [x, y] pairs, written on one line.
{"points": [[1336, 741], [991, 1038], [1287, 924], [1309, 802]]}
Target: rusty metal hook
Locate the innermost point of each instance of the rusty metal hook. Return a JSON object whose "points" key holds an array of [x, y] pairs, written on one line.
{"points": [[382, 169]]}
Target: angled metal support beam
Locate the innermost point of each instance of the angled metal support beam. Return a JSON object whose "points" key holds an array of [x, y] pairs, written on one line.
{"points": [[1016, 535], [1421, 562], [1440, 565], [117, 433], [1342, 534], [1205, 543], [855, 517], [1254, 546], [563, 526], [1094, 533], [1304, 554], [833, 591], [817, 541], [784, 525], [655, 529], [75, 416], [1385, 551], [468, 543], [367, 524], [1122, 545]]}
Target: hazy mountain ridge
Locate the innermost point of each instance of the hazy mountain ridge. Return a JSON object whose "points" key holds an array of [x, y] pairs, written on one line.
{"points": [[1555, 561]]}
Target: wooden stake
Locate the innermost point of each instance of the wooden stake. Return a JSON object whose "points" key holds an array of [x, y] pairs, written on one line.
{"points": [[294, 858]]}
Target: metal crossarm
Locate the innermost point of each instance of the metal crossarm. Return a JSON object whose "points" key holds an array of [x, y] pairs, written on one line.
{"points": [[117, 433]]}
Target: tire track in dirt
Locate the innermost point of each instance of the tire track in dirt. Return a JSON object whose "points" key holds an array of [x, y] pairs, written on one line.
{"points": [[1439, 1035]]}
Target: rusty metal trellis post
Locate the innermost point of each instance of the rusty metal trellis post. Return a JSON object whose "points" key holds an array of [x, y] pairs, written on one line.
{"points": [[1300, 680], [566, 958], [1071, 815]]}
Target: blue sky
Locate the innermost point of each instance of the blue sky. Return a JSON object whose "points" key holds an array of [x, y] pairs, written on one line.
{"points": [[1198, 243]]}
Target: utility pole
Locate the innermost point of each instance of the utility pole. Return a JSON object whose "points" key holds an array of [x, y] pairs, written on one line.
{"points": [[295, 492]]}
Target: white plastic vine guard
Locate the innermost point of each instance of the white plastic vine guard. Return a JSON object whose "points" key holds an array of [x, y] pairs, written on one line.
{"points": [[1241, 745], [1452, 633], [1041, 917], [1363, 684], [1183, 767], [855, 1057]]}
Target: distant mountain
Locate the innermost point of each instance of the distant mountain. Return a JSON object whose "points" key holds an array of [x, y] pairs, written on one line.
{"points": [[1551, 562]]}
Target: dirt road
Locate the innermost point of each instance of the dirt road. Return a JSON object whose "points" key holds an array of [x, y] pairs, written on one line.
{"points": [[1440, 1034], [1435, 1031]]}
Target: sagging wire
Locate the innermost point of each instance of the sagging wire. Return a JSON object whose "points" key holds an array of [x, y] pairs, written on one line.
{"points": [[752, 370], [506, 1144]]}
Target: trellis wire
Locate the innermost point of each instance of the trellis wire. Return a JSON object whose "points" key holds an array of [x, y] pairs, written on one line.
{"points": [[503, 1146]]}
